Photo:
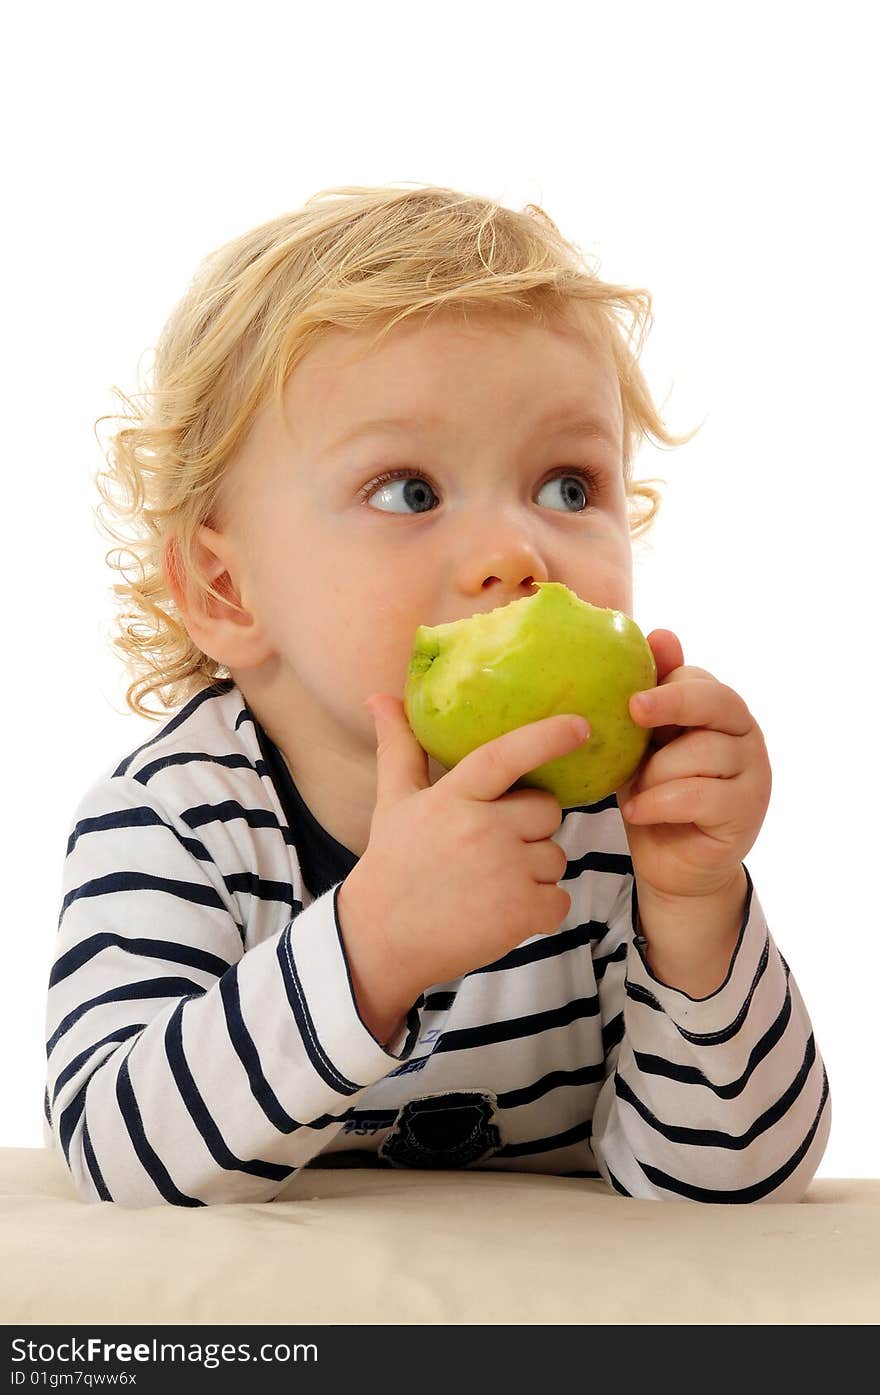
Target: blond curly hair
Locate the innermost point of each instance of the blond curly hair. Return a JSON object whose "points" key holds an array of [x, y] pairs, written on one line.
{"points": [[350, 258]]}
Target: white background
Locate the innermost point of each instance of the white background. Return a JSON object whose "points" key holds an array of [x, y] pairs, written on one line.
{"points": [[724, 157]]}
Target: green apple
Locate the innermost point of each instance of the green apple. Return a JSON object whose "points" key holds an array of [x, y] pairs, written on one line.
{"points": [[472, 680]]}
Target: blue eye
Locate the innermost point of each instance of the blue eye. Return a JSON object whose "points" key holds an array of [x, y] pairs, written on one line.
{"points": [[416, 493], [419, 495], [575, 492]]}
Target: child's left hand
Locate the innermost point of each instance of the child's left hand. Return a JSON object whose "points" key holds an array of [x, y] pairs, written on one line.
{"points": [[702, 792]]}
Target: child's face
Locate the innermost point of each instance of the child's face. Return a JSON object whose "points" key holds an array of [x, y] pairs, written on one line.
{"points": [[338, 571]]}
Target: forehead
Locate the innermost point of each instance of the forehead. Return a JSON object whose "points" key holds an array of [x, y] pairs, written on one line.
{"points": [[501, 360]]}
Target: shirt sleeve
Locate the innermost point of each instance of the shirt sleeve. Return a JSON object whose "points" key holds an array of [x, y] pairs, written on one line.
{"points": [[719, 1099], [181, 1068]]}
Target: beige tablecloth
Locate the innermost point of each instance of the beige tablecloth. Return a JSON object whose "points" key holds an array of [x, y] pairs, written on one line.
{"points": [[376, 1246]]}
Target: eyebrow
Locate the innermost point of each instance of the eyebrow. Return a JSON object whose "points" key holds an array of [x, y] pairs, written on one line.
{"points": [[558, 421]]}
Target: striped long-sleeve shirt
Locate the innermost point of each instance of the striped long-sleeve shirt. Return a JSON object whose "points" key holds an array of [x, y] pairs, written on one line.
{"points": [[204, 1041]]}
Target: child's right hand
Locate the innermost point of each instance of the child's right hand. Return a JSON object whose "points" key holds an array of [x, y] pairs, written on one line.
{"points": [[455, 874]]}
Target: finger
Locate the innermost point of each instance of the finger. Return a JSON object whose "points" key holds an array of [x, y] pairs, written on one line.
{"points": [[668, 653], [696, 753], [401, 764], [534, 814], [697, 800], [491, 769], [693, 702], [552, 906], [662, 735], [546, 861]]}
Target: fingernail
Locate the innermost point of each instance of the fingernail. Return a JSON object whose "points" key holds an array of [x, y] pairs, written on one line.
{"points": [[644, 701], [581, 728]]}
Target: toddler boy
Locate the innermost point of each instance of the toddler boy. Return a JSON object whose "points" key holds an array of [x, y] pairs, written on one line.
{"points": [[287, 937]]}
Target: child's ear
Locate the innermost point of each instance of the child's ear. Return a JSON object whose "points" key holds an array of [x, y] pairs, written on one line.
{"points": [[224, 630]]}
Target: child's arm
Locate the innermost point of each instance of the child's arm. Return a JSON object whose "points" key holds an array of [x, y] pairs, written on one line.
{"points": [[717, 1099], [717, 1091], [181, 1068]]}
